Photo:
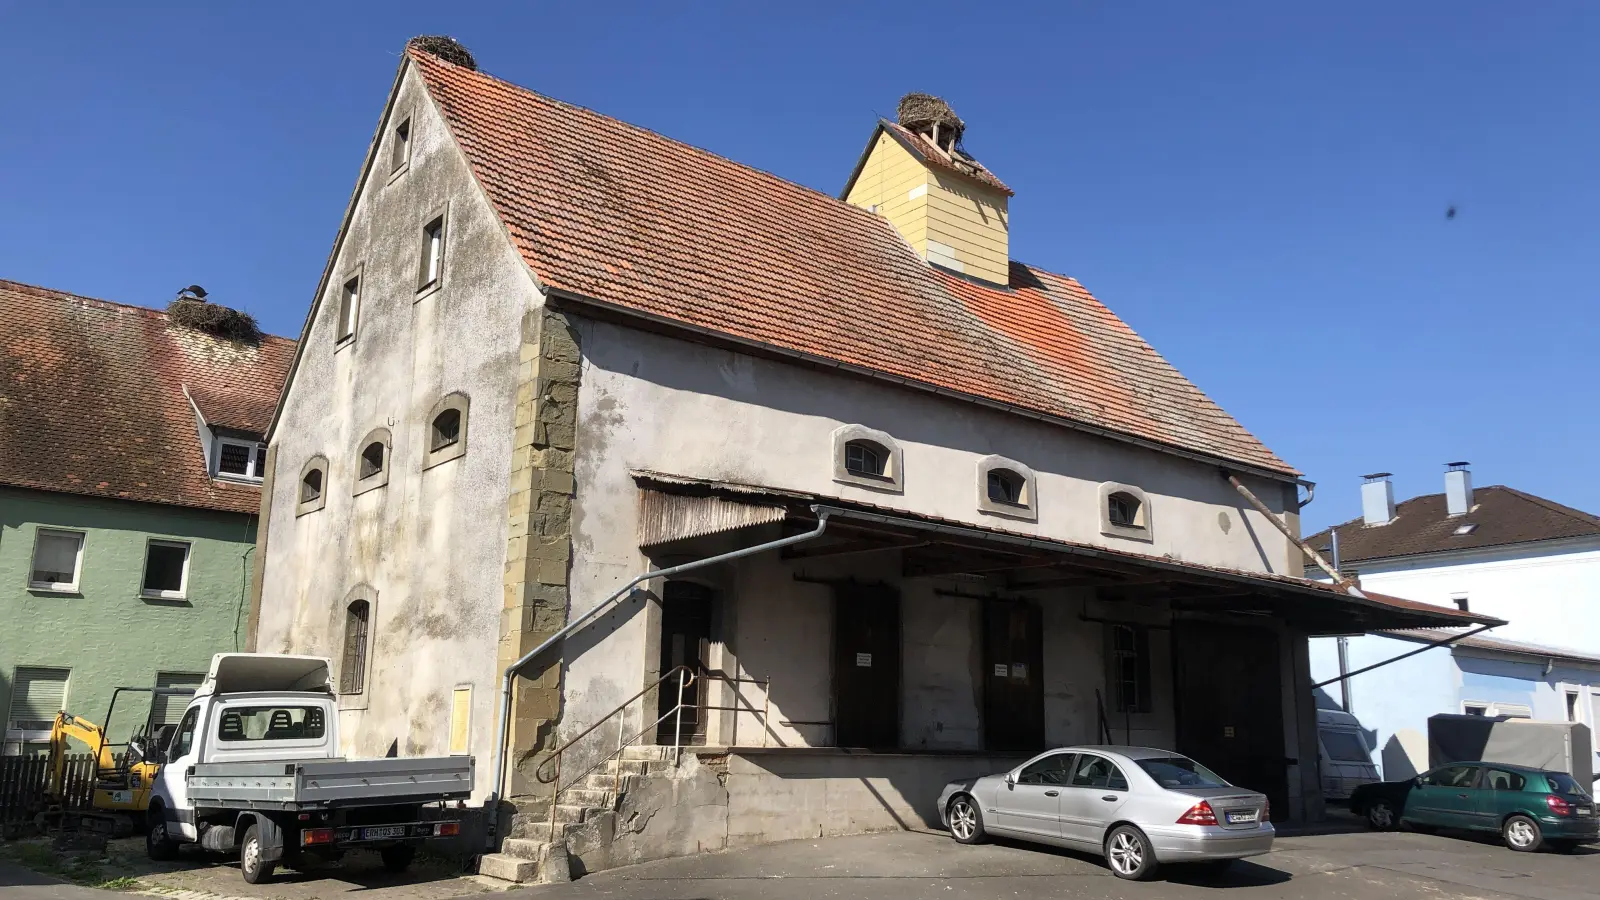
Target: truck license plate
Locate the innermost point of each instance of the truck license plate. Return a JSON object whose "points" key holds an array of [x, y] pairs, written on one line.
{"points": [[1585, 810], [1241, 817], [383, 832]]}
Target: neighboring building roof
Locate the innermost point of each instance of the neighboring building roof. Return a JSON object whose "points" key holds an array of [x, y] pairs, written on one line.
{"points": [[1499, 645], [1422, 525], [624, 219], [92, 399]]}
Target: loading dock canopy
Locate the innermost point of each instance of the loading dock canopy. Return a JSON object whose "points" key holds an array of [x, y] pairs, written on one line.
{"points": [[679, 511]]}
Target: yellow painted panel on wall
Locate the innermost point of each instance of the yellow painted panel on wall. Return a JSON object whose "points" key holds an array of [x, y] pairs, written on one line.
{"points": [[460, 720]]}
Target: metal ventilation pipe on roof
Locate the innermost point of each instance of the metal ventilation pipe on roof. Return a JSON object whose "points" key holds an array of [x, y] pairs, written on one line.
{"points": [[1458, 488], [1377, 499], [503, 713]]}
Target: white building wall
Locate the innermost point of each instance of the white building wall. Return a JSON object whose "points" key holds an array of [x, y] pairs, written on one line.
{"points": [[431, 542], [648, 402]]}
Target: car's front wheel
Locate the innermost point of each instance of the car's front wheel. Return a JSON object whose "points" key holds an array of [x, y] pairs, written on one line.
{"points": [[1380, 815], [158, 844], [1129, 854], [1522, 834], [966, 820]]}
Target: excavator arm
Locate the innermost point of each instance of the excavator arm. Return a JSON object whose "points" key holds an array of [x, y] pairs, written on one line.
{"points": [[85, 732]]}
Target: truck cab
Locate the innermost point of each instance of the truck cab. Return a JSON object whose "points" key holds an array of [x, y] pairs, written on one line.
{"points": [[254, 766]]}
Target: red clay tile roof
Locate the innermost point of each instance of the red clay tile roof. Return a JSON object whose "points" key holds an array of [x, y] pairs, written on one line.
{"points": [[92, 399], [613, 213], [1423, 525]]}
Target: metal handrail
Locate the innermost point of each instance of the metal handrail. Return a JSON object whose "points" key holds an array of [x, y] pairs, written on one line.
{"points": [[686, 677], [556, 753]]}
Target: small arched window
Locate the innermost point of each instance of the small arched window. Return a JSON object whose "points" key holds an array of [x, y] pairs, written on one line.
{"points": [[313, 486], [1005, 486], [445, 430], [1122, 509], [445, 435], [372, 459], [866, 458], [372, 462], [353, 667]]}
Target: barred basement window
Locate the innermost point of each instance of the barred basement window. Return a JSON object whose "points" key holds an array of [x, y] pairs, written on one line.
{"points": [[353, 667]]}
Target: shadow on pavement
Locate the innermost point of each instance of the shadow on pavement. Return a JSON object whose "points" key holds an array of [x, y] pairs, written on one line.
{"points": [[1243, 872]]}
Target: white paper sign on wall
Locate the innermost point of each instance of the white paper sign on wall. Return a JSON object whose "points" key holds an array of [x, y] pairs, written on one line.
{"points": [[864, 660], [1000, 670], [1019, 670]]}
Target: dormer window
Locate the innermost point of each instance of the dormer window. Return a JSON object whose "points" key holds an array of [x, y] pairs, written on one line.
{"points": [[241, 460]]}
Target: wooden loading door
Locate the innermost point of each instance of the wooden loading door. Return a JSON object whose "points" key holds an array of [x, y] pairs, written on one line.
{"points": [[1013, 676], [866, 666]]}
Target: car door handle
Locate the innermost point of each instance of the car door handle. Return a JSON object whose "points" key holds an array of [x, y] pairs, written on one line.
{"points": [[1464, 796], [1110, 798], [1052, 793]]}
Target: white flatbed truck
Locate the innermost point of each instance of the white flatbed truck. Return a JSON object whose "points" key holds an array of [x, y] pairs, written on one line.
{"points": [[253, 767]]}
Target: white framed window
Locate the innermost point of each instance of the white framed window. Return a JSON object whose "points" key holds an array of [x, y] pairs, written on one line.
{"points": [[37, 694], [241, 460], [430, 269], [867, 458], [349, 307], [57, 560], [1125, 512], [166, 570], [400, 147], [1006, 488]]}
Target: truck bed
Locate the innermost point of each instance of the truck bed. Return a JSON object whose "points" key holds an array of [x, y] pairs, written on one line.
{"points": [[321, 783]]}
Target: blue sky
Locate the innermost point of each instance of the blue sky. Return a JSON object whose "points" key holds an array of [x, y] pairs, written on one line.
{"points": [[1258, 188]]}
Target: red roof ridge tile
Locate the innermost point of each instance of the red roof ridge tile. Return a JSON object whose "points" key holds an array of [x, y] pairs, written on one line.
{"points": [[45, 293]]}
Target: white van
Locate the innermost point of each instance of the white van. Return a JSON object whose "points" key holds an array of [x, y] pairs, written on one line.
{"points": [[1346, 761]]}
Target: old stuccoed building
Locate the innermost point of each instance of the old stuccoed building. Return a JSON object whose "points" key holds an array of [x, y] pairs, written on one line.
{"points": [[553, 352], [130, 459]]}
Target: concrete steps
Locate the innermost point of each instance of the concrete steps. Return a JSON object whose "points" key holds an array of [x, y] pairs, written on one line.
{"points": [[536, 851]]}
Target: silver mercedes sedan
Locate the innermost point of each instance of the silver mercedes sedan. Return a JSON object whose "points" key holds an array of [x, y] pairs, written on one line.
{"points": [[1136, 806]]}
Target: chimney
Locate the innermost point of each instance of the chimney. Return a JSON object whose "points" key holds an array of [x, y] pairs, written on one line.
{"points": [[1458, 488], [952, 210], [1377, 499]]}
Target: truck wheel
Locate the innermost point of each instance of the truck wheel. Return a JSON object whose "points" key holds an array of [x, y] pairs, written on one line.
{"points": [[158, 845], [398, 858], [251, 865]]}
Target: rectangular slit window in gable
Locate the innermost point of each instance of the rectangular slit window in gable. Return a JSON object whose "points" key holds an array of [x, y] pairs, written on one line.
{"points": [[349, 308], [432, 266], [401, 146]]}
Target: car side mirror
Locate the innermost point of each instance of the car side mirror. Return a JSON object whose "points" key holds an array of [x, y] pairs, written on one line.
{"points": [[1011, 779], [1417, 781]]}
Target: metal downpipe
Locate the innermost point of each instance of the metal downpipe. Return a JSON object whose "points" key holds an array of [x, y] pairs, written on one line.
{"points": [[504, 707]]}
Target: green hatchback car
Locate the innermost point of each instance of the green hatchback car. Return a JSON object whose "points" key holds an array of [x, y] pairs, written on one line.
{"points": [[1530, 808]]}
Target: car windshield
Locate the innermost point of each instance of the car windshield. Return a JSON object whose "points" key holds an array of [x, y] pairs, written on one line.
{"points": [[1345, 746], [1180, 771], [1562, 783]]}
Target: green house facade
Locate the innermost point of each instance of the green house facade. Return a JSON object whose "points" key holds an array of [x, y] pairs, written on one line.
{"points": [[130, 465]]}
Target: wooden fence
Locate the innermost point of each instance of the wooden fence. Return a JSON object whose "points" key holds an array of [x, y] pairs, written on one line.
{"points": [[23, 780]]}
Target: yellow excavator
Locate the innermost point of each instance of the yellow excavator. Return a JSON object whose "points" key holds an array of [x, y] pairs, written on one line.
{"points": [[121, 790]]}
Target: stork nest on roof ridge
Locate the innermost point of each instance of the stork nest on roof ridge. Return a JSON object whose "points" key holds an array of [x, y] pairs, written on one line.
{"points": [[219, 321], [446, 48], [921, 112]]}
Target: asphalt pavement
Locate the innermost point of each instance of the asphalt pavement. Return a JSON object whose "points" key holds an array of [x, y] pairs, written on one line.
{"points": [[1393, 866]]}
